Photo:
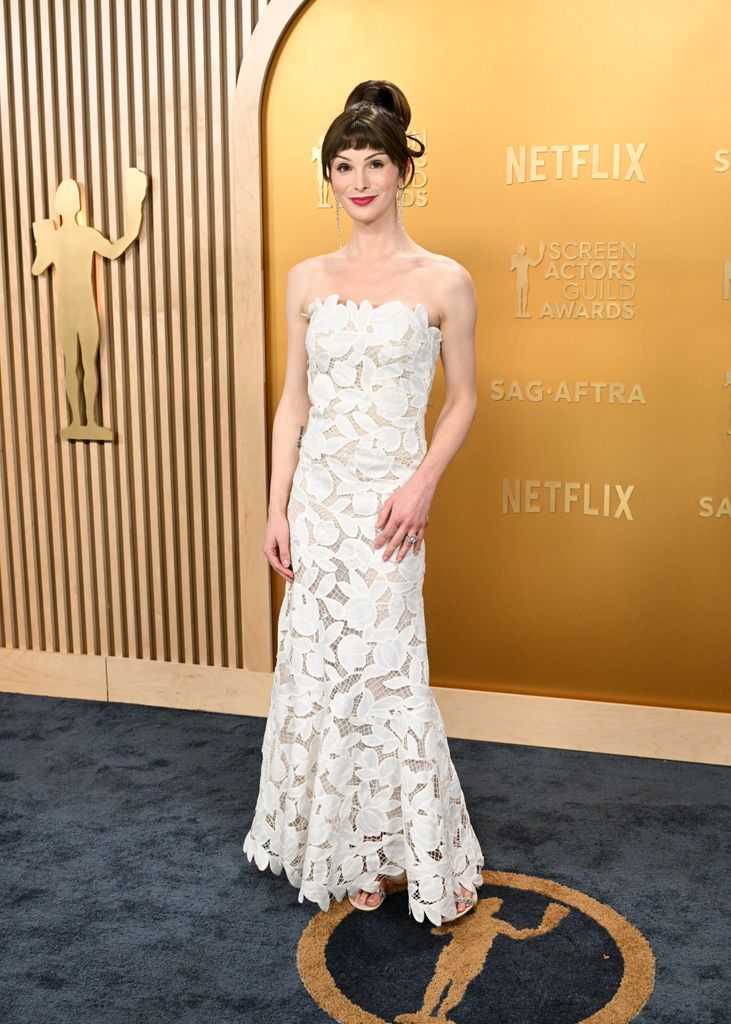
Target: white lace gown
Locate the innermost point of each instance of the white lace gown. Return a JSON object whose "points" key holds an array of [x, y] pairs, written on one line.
{"points": [[356, 777]]}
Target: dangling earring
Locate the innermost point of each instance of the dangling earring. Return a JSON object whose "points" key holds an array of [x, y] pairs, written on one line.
{"points": [[400, 205], [337, 219]]}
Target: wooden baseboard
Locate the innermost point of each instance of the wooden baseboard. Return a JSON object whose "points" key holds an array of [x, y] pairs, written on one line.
{"points": [[640, 730], [676, 734]]}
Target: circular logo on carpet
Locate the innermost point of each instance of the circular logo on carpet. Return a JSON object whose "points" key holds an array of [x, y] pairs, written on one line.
{"points": [[531, 950]]}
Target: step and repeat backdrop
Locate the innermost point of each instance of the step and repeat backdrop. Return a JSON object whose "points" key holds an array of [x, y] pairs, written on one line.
{"points": [[578, 163]]}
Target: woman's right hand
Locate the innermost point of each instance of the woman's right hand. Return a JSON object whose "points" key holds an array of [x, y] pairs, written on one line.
{"points": [[276, 545]]}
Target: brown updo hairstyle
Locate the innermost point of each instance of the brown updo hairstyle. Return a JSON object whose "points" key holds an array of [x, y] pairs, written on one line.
{"points": [[376, 116]]}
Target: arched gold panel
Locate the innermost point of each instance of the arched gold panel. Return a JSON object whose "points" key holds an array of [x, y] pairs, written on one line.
{"points": [[580, 543]]}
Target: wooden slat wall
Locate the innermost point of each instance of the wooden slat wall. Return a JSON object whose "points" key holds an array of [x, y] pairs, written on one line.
{"points": [[130, 549]]}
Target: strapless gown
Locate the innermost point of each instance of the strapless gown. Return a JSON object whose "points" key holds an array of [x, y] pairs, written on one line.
{"points": [[356, 776]]}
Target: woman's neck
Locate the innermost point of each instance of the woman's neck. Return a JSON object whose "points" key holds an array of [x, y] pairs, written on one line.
{"points": [[374, 243]]}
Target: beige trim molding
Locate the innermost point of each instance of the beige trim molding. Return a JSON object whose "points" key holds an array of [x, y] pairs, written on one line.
{"points": [[638, 730], [249, 327], [604, 727]]}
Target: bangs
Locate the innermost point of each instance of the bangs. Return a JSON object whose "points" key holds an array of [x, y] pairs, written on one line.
{"points": [[368, 128], [361, 135]]}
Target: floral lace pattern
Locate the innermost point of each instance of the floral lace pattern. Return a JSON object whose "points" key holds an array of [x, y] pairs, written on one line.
{"points": [[357, 778]]}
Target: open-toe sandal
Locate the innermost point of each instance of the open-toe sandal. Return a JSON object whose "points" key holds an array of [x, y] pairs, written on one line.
{"points": [[471, 902], [381, 890]]}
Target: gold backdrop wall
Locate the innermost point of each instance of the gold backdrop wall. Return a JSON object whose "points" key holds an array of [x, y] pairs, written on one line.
{"points": [[603, 133], [133, 548]]}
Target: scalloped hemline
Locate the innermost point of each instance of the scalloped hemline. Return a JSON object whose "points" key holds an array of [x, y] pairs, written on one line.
{"points": [[419, 911]]}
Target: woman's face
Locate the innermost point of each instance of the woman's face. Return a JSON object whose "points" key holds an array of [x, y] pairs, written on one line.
{"points": [[360, 173]]}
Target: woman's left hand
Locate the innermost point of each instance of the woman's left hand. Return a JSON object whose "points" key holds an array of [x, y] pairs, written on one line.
{"points": [[405, 514]]}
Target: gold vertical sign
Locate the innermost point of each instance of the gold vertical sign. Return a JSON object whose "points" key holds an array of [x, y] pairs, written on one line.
{"points": [[71, 249]]}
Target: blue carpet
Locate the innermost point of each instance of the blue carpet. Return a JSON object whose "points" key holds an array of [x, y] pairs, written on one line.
{"points": [[125, 895]]}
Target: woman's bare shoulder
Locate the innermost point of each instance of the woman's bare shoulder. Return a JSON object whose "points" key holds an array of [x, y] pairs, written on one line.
{"points": [[305, 270], [307, 277], [302, 283], [449, 280], [442, 265]]}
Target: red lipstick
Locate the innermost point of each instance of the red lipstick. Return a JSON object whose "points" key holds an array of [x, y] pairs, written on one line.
{"points": [[362, 200]]}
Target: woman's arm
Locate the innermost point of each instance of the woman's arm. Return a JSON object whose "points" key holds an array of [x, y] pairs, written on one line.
{"points": [[289, 424], [459, 316], [407, 511]]}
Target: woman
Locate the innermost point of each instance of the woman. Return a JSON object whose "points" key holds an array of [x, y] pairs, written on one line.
{"points": [[357, 788]]}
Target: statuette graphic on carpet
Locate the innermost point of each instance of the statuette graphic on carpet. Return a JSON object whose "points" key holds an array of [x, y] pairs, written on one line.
{"points": [[70, 248], [532, 950]]}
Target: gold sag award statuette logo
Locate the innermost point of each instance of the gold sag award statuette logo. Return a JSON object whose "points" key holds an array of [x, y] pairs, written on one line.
{"points": [[414, 195], [466, 955], [521, 262], [596, 278], [70, 248]]}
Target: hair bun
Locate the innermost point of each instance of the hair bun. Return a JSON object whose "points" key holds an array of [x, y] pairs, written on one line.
{"points": [[382, 94], [376, 116]]}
